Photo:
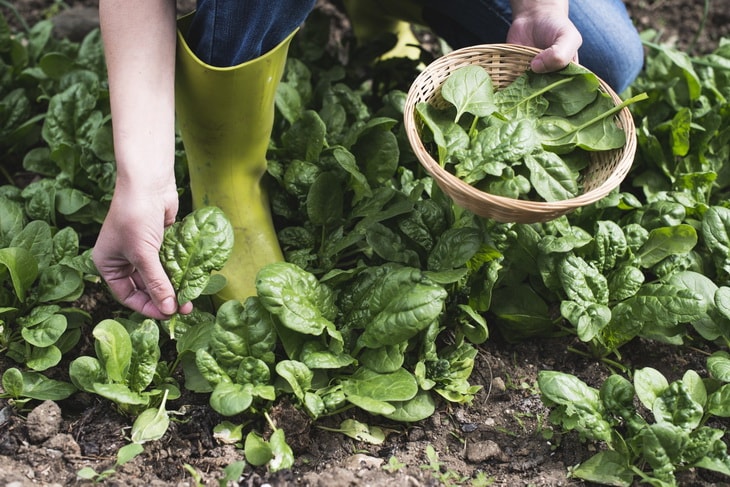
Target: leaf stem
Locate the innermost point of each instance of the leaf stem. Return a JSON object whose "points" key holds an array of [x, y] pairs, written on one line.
{"points": [[612, 363], [6, 175], [472, 129], [539, 92], [270, 421], [579, 352], [608, 113]]}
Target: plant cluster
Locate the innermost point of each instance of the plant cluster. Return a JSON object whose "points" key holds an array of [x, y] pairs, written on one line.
{"points": [[387, 288], [677, 439]]}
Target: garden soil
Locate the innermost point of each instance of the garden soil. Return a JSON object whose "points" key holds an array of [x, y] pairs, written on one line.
{"points": [[502, 438]]}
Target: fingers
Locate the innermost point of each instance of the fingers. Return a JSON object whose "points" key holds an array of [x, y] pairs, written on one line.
{"points": [[129, 289], [159, 288], [153, 299], [553, 58], [139, 283], [552, 32], [563, 50], [135, 298]]}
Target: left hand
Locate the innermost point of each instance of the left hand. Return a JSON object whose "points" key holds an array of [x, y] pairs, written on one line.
{"points": [[545, 25]]}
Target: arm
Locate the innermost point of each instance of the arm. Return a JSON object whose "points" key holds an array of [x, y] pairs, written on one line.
{"points": [[544, 24], [139, 43]]}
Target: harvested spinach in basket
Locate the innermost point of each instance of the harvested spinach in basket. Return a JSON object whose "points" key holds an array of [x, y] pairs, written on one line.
{"points": [[528, 140]]}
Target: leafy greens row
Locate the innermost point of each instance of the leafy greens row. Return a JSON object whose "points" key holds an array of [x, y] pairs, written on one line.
{"points": [[388, 288]]}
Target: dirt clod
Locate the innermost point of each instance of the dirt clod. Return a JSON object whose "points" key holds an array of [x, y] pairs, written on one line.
{"points": [[482, 451], [43, 422]]}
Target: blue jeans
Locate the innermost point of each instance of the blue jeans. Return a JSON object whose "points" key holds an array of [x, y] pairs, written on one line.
{"points": [[230, 32], [611, 45]]}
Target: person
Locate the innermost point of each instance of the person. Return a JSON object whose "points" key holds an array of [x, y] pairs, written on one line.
{"points": [[140, 39]]}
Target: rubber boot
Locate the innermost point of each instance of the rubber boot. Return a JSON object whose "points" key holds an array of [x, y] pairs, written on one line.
{"points": [[372, 18], [225, 117]]}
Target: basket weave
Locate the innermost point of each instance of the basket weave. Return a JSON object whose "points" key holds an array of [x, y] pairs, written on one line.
{"points": [[504, 63]]}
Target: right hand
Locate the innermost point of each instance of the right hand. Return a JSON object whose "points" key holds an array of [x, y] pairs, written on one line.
{"points": [[127, 250]]}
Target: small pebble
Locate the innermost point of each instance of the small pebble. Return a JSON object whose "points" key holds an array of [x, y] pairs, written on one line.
{"points": [[498, 385], [481, 451]]}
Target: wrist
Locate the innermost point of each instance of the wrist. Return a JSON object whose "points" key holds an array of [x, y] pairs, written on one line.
{"points": [[145, 161], [145, 182]]}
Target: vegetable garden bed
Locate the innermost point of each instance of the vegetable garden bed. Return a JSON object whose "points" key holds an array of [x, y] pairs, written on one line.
{"points": [[443, 348]]}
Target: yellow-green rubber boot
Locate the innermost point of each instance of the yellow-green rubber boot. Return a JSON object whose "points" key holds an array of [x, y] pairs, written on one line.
{"points": [[373, 18], [225, 117]]}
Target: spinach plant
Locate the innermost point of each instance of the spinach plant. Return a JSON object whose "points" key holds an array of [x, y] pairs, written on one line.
{"points": [[150, 425], [127, 369], [42, 273], [235, 364], [611, 284], [275, 453], [678, 438], [23, 386]]}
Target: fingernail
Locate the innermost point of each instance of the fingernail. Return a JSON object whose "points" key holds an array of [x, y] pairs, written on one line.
{"points": [[168, 306]]}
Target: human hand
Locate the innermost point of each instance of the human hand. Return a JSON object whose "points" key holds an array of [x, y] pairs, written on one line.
{"points": [[127, 250], [545, 25]]}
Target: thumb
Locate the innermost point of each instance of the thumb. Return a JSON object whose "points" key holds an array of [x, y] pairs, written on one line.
{"points": [[551, 59], [157, 285]]}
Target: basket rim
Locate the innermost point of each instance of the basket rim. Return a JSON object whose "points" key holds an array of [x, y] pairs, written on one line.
{"points": [[466, 190]]}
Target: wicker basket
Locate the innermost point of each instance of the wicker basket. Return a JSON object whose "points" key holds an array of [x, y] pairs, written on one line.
{"points": [[505, 62]]}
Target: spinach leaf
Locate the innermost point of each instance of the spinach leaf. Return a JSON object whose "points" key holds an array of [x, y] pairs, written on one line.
{"points": [[22, 268], [578, 405], [242, 330], [716, 234], [25, 385], [194, 247], [449, 136], [567, 91], [551, 177], [395, 307], [592, 129], [373, 392], [607, 468], [495, 147], [520, 100], [470, 90], [296, 298], [663, 242], [582, 282], [663, 304]]}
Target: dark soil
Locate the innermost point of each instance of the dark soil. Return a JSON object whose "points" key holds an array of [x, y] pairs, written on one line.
{"points": [[504, 433]]}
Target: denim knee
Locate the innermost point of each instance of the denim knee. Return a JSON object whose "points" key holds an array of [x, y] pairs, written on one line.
{"points": [[611, 45]]}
